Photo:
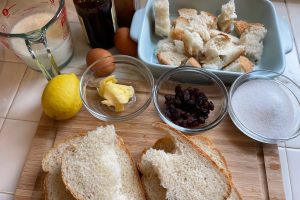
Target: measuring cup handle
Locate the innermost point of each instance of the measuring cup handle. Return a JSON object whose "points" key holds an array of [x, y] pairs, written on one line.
{"points": [[53, 70], [54, 66]]}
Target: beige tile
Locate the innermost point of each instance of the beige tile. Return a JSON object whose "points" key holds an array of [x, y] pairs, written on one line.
{"points": [[1, 122], [294, 163], [15, 141], [6, 196], [293, 9], [8, 55], [71, 11], [281, 9], [292, 67], [27, 102], [80, 48], [285, 173], [11, 75]]}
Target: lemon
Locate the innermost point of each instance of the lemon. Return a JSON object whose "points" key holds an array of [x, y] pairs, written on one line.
{"points": [[61, 98]]}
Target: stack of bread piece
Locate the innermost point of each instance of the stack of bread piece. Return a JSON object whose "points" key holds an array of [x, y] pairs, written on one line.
{"points": [[95, 166], [215, 42], [177, 167], [98, 166]]}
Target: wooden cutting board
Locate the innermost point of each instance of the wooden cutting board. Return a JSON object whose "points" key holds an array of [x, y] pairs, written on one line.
{"points": [[255, 167]]}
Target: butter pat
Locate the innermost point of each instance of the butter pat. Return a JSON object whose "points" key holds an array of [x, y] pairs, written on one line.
{"points": [[116, 95]]}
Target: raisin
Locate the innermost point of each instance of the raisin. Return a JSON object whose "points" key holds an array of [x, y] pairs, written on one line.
{"points": [[188, 107]]}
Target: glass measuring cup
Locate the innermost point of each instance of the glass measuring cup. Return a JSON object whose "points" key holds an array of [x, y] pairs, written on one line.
{"points": [[37, 31]]}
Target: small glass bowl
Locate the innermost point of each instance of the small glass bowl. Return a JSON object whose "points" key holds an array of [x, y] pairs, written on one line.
{"points": [[128, 71], [287, 86], [205, 81]]}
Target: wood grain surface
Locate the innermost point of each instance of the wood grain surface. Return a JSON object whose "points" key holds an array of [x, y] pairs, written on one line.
{"points": [[255, 167]]}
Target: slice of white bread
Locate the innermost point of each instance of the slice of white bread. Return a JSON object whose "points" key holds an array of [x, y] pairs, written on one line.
{"points": [[179, 25], [179, 46], [240, 26], [161, 17], [170, 58], [231, 53], [187, 13], [199, 24], [252, 38], [191, 14], [169, 45], [222, 46], [215, 45], [242, 64], [165, 45], [214, 63], [53, 185], [193, 43], [100, 167], [184, 170], [209, 19], [189, 20], [215, 154], [207, 146], [214, 32], [170, 53], [225, 19], [192, 62], [151, 182]]}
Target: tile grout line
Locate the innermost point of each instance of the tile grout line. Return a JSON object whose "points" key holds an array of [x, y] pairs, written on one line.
{"points": [[23, 78], [4, 119], [288, 167], [285, 148], [23, 120], [293, 32], [6, 61], [7, 193]]}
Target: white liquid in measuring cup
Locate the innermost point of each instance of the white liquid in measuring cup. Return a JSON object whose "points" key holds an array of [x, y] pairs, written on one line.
{"points": [[60, 45]]}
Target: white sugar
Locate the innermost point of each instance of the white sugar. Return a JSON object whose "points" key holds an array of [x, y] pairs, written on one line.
{"points": [[265, 108]]}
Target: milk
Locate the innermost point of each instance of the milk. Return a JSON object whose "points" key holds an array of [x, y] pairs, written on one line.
{"points": [[58, 37]]}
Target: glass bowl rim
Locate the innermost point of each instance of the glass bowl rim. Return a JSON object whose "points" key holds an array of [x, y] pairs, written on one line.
{"points": [[240, 125], [103, 117], [203, 72]]}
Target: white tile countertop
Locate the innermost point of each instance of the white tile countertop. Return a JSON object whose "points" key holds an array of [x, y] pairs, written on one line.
{"points": [[20, 109]]}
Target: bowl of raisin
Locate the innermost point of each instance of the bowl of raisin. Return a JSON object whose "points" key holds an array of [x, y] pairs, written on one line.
{"points": [[190, 99]]}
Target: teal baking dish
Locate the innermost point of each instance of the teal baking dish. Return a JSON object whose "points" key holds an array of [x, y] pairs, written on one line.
{"points": [[277, 43]]}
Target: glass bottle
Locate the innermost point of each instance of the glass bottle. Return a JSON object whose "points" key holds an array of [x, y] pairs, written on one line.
{"points": [[125, 10], [98, 21]]}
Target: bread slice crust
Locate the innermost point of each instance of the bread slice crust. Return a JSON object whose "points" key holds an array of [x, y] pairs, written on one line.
{"points": [[182, 138], [47, 170], [234, 194], [119, 144], [122, 146]]}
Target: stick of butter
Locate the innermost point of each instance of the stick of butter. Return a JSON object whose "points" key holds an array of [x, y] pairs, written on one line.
{"points": [[116, 95]]}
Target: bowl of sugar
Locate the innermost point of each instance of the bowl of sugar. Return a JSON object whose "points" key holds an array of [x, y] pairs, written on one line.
{"points": [[265, 106]]}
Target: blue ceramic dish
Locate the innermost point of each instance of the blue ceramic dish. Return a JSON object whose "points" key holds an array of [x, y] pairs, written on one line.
{"points": [[277, 43]]}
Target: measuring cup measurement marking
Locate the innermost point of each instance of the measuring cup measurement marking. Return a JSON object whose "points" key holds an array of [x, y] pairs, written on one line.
{"points": [[28, 9], [5, 11]]}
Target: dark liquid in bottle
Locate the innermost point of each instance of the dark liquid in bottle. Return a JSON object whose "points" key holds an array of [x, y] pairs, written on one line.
{"points": [[98, 22]]}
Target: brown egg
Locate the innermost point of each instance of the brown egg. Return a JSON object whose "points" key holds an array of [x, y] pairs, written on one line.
{"points": [[124, 43], [103, 67]]}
